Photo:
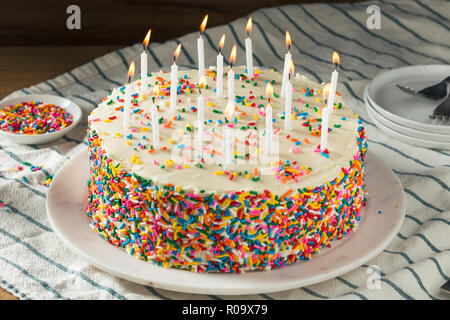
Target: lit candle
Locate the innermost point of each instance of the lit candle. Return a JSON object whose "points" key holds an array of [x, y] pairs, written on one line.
{"points": [[231, 75], [325, 115], [334, 79], [248, 49], [201, 113], [144, 64], [200, 48], [229, 111], [269, 117], [174, 80], [127, 99], [288, 100], [155, 119], [287, 59], [219, 75]]}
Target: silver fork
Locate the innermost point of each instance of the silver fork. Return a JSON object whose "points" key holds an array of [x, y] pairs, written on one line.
{"points": [[434, 92], [442, 111]]}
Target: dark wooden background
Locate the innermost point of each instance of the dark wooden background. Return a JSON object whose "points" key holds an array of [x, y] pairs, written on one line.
{"points": [[117, 22]]}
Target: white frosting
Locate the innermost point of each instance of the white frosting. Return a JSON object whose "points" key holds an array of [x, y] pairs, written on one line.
{"points": [[342, 141]]}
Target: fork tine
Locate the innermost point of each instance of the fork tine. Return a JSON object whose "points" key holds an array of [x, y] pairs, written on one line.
{"points": [[408, 90], [442, 110]]}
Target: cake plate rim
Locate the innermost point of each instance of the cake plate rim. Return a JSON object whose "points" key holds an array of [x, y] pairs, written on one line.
{"points": [[381, 220]]}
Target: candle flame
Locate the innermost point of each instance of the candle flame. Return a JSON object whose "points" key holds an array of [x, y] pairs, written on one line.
{"points": [[131, 71], [288, 40], [336, 60], [202, 82], [269, 92], [326, 91], [176, 53], [147, 39], [203, 25], [292, 67], [249, 26], [155, 91], [228, 113], [233, 55], [222, 42]]}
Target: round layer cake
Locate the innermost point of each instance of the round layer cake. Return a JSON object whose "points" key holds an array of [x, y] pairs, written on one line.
{"points": [[177, 207]]}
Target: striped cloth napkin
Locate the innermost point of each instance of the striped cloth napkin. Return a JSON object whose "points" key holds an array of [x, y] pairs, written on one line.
{"points": [[34, 264]]}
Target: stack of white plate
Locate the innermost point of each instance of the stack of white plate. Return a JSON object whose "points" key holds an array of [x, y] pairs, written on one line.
{"points": [[406, 117]]}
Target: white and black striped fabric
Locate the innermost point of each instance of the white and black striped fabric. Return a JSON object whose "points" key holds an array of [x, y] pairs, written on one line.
{"points": [[34, 264]]}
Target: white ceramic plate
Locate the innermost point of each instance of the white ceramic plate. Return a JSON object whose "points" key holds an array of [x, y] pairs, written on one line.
{"points": [[441, 139], [64, 103], [67, 199], [407, 110], [406, 138]]}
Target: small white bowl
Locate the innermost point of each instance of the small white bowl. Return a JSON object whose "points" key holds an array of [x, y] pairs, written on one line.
{"points": [[64, 103]]}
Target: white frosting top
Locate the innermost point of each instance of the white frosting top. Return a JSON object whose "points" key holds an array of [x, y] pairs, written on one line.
{"points": [[180, 142]]}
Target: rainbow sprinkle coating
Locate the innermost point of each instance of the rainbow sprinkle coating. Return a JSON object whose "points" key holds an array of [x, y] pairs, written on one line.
{"points": [[32, 118], [232, 232]]}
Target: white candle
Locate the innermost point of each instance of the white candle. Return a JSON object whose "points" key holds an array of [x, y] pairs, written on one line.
{"points": [[143, 73], [248, 49], [219, 76], [200, 118], [173, 87], [155, 127], [200, 49], [230, 85], [231, 96], [288, 99], [127, 107], [249, 57], [324, 129], [127, 98], [201, 114], [219, 69], [288, 107], [325, 116], [201, 56], [174, 80], [269, 131], [333, 86], [287, 63], [144, 60], [334, 79]]}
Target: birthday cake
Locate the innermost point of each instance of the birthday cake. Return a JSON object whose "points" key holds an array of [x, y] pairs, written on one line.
{"points": [[180, 208]]}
